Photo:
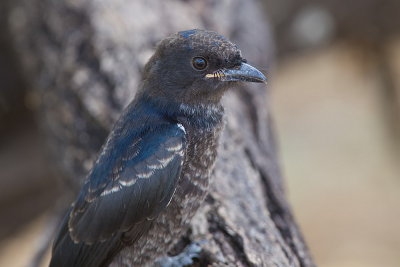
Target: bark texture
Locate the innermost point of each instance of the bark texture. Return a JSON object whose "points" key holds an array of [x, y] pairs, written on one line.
{"points": [[84, 59]]}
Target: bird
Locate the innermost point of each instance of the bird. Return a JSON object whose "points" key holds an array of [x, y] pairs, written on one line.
{"points": [[153, 171]]}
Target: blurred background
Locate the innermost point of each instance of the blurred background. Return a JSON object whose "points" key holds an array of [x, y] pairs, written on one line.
{"points": [[335, 96]]}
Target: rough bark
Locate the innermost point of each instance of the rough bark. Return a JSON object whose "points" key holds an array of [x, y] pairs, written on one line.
{"points": [[85, 59]]}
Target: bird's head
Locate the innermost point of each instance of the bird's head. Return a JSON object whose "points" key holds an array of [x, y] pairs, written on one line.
{"points": [[196, 66]]}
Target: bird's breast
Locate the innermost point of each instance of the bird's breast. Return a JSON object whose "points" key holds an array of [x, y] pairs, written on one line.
{"points": [[197, 168]]}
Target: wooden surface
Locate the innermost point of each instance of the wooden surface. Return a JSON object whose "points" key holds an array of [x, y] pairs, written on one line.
{"points": [[85, 58]]}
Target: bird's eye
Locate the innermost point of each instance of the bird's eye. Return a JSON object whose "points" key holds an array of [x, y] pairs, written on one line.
{"points": [[199, 63]]}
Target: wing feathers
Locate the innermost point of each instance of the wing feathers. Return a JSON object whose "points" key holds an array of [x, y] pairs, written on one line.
{"points": [[140, 187]]}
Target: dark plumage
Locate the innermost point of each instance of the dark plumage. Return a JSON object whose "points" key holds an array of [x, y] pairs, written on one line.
{"points": [[153, 172]]}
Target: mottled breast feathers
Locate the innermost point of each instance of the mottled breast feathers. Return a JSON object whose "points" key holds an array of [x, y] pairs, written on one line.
{"points": [[137, 187]]}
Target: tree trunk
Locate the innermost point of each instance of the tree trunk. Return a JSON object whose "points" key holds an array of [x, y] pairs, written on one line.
{"points": [[85, 60]]}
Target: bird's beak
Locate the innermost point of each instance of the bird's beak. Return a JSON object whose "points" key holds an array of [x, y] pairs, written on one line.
{"points": [[245, 73]]}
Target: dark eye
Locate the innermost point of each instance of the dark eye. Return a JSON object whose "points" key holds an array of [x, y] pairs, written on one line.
{"points": [[199, 63]]}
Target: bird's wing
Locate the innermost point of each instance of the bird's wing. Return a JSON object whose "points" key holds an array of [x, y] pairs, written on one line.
{"points": [[136, 188]]}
